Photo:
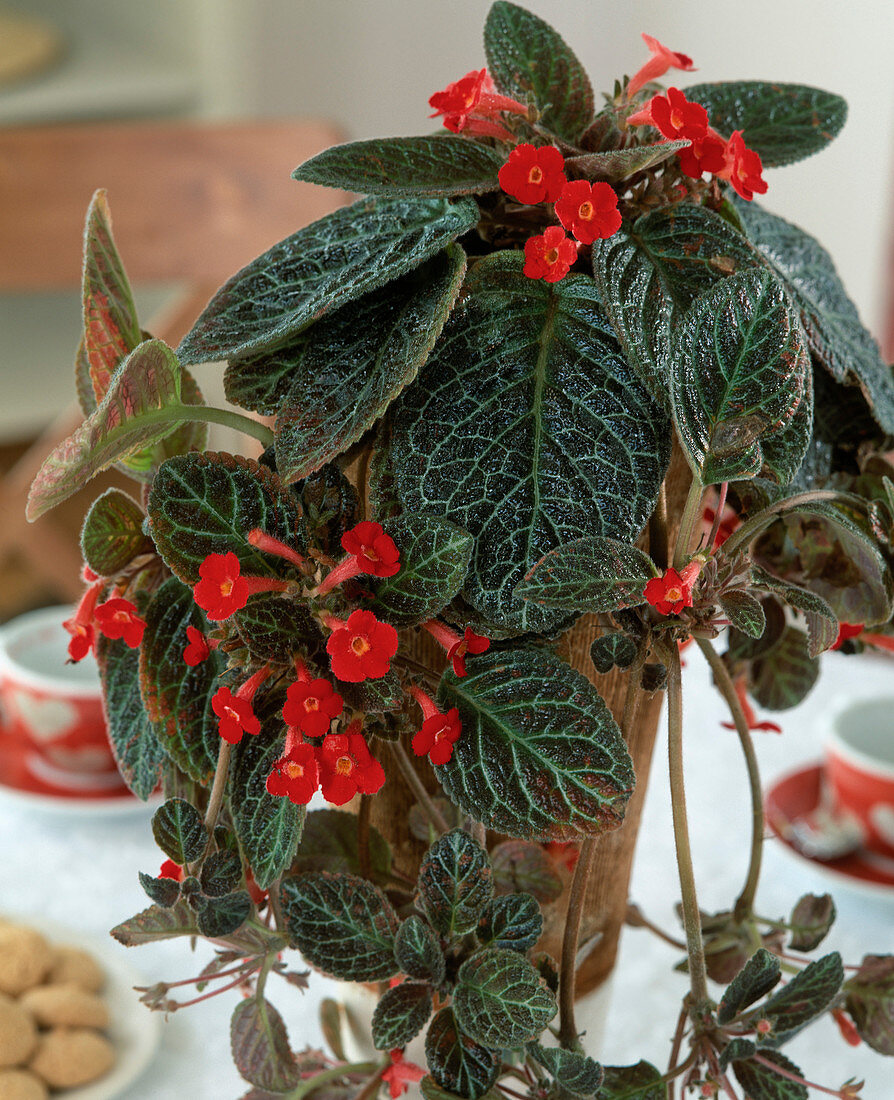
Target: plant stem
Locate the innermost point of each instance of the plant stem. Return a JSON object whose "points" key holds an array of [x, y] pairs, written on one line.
{"points": [[209, 415], [751, 528], [219, 785], [698, 979], [658, 548], [363, 835], [416, 785], [723, 680], [715, 526], [323, 1078], [691, 515]]}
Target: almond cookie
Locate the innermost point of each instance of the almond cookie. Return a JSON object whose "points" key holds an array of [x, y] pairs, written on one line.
{"points": [[24, 958], [76, 966], [21, 1084], [18, 1034], [69, 1057], [65, 1006]]}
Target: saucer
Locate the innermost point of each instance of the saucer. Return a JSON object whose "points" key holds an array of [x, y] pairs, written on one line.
{"points": [[796, 794]]}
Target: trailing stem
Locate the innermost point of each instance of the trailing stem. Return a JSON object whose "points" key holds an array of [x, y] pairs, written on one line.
{"points": [[219, 785], [207, 414], [692, 511], [416, 785], [752, 527]]}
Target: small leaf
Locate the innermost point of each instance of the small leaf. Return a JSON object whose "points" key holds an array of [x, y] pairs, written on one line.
{"points": [[155, 924], [331, 507], [220, 916], [178, 831], [112, 535], [870, 1000], [807, 995], [329, 843], [523, 867], [220, 873], [260, 1046], [438, 164], [760, 1082], [418, 951], [787, 674], [744, 612], [589, 574], [822, 625], [615, 165], [759, 975], [638, 1082], [810, 921], [321, 267], [455, 883], [342, 924], [735, 1051], [163, 891], [500, 1000], [456, 1061], [575, 1073], [513, 921], [615, 650], [401, 1014], [275, 629]]}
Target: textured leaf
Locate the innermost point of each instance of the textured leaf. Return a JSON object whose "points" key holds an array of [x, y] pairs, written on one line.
{"points": [[329, 843], [615, 165], [782, 122], [590, 574], [822, 625], [456, 1061], [418, 951], [162, 891], [321, 267], [786, 675], [434, 560], [650, 273], [220, 916], [615, 650], [834, 331], [331, 507], [154, 924], [810, 921], [401, 1014], [513, 921], [260, 1046], [759, 975], [500, 1000], [133, 740], [735, 1051], [540, 756], [807, 995], [870, 1000], [742, 368], [268, 828], [438, 164], [204, 504], [221, 872], [342, 925], [455, 883], [528, 59], [638, 1082], [177, 697], [523, 867], [275, 629], [744, 612], [576, 1073], [178, 831], [762, 1083], [529, 431], [112, 535]]}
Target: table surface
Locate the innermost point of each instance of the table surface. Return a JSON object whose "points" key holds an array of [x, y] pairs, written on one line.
{"points": [[83, 874]]}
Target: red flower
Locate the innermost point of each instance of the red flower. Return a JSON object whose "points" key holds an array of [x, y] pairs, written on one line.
{"points": [[311, 705], [532, 174], [706, 154], [438, 735], [670, 593], [370, 550], [361, 648], [748, 712], [457, 647], [197, 649], [80, 625], [846, 631], [235, 714], [472, 104], [270, 545], [674, 115], [661, 60], [550, 255], [846, 1026], [346, 766], [564, 852], [170, 869], [589, 210], [222, 589], [118, 618], [743, 168], [400, 1074], [296, 775]]}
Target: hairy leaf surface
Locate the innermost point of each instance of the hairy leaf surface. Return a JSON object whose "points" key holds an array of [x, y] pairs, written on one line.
{"points": [[590, 574], [617, 164], [418, 951], [500, 1000], [112, 535], [576, 1073], [401, 1014], [260, 1046], [513, 921], [455, 883], [759, 975], [456, 1061], [178, 831], [787, 674]]}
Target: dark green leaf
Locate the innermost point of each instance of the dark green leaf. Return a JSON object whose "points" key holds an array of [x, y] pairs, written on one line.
{"points": [[615, 650], [434, 560], [759, 975], [589, 574], [260, 1046], [321, 267], [418, 951], [786, 675], [342, 924], [576, 1073], [807, 995], [401, 1014], [822, 625], [513, 921], [275, 629], [528, 59], [455, 883], [439, 164], [870, 1000], [734, 1051], [650, 273], [654, 677], [540, 756], [329, 843], [204, 504], [163, 891], [615, 165], [742, 648], [500, 1000], [810, 921], [331, 507], [760, 1082], [456, 1061], [520, 866], [529, 431], [782, 122], [376, 696], [219, 916], [638, 1082], [112, 535], [155, 924], [220, 873], [178, 831], [744, 612]]}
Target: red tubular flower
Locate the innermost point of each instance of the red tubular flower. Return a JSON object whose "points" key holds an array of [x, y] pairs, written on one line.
{"points": [[400, 1074], [80, 625], [661, 60], [311, 704], [743, 168], [118, 618], [223, 590], [533, 174], [472, 104], [845, 632], [846, 1026], [457, 647], [197, 649], [882, 641], [270, 545], [589, 210], [439, 732], [550, 255], [347, 768], [360, 648], [706, 154], [369, 550], [564, 852], [170, 869], [296, 775], [235, 711], [748, 712], [674, 115], [672, 591]]}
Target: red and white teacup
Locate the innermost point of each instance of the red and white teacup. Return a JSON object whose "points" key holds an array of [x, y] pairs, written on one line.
{"points": [[860, 768], [53, 735]]}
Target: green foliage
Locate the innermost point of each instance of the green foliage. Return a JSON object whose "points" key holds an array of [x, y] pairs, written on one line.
{"points": [[528, 60], [870, 1000], [418, 951], [513, 921], [759, 975], [329, 843], [220, 916], [744, 612], [760, 1082], [782, 122], [178, 831], [581, 448], [455, 883], [154, 924], [456, 1061], [786, 675], [820, 619], [521, 867], [274, 629], [575, 1073], [401, 1014], [163, 891], [614, 650], [342, 924], [440, 165], [331, 506], [260, 1046], [641, 1081], [541, 756], [809, 993], [112, 535], [220, 873], [321, 267], [500, 1000], [590, 574], [810, 921], [615, 165]]}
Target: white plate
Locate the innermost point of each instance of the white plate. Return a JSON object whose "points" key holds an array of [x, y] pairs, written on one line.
{"points": [[134, 1031]]}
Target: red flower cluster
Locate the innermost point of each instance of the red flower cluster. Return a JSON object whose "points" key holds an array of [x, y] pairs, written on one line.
{"points": [[222, 590], [116, 618], [471, 104], [439, 732], [360, 648], [369, 550], [311, 704], [672, 591], [533, 174], [235, 712], [743, 168], [342, 767], [661, 60], [457, 647]]}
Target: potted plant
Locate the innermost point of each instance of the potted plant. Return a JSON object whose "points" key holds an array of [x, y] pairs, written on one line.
{"points": [[555, 399]]}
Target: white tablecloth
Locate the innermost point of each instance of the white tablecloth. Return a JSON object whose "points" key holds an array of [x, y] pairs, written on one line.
{"points": [[84, 874]]}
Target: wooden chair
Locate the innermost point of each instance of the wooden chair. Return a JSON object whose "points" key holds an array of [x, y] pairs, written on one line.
{"points": [[191, 204]]}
